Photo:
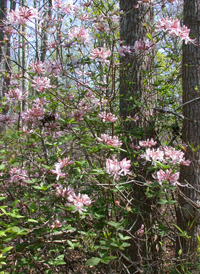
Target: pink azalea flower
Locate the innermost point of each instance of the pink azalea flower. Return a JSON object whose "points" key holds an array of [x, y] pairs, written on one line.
{"points": [[107, 117], [22, 16], [174, 28], [18, 174], [109, 140], [167, 176], [116, 168], [57, 224], [101, 55], [167, 155], [147, 143], [53, 67], [37, 67], [144, 47], [123, 49], [81, 34], [41, 83], [79, 201], [59, 165], [135, 118], [32, 115], [154, 155], [15, 94]]}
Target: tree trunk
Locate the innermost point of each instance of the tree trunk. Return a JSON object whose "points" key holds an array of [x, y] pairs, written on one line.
{"points": [[4, 52], [188, 216], [136, 97]]}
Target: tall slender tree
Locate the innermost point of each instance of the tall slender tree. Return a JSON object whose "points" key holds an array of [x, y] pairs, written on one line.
{"points": [[136, 97], [188, 216], [4, 48]]}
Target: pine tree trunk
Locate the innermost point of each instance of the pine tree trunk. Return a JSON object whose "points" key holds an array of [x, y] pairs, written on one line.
{"points": [[188, 215]]}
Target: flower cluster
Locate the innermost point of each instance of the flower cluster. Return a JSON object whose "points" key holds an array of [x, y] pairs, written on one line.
{"points": [[148, 143], [140, 46], [174, 28], [78, 201], [109, 117], [22, 16], [101, 55], [122, 49], [166, 155], [81, 34], [172, 178], [15, 94], [41, 83], [109, 140], [37, 67], [116, 168], [32, 115], [59, 165], [18, 174]]}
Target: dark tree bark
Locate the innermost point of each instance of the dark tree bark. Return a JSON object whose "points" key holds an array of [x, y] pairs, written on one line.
{"points": [[137, 97], [134, 26], [187, 215], [4, 50]]}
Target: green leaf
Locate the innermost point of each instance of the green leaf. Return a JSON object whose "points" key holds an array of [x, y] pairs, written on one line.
{"points": [[93, 261], [116, 225], [149, 36], [6, 249], [106, 260], [32, 221], [163, 202]]}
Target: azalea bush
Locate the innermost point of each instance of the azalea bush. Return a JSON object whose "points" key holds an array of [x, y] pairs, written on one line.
{"points": [[67, 170]]}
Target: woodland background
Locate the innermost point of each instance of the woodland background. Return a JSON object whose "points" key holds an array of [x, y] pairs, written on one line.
{"points": [[99, 136]]}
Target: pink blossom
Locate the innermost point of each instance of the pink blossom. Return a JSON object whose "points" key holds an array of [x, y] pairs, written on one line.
{"points": [[6, 119], [135, 118], [174, 28], [141, 230], [167, 155], [63, 192], [175, 156], [109, 140], [147, 143], [57, 224], [32, 115], [58, 171], [68, 8], [15, 94], [79, 201], [22, 16], [18, 174], [101, 55], [41, 83], [59, 165], [81, 34], [140, 46], [53, 67], [37, 67], [123, 49], [109, 117], [167, 176], [116, 168], [154, 155]]}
